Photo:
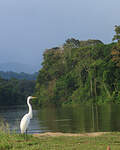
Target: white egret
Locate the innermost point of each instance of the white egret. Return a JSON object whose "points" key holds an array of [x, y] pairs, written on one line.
{"points": [[26, 118]]}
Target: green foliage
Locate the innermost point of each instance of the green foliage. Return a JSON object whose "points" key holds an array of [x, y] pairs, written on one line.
{"points": [[73, 43], [15, 91], [117, 35], [116, 48], [20, 76], [79, 72]]}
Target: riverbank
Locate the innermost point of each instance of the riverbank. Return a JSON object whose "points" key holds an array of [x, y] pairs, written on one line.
{"points": [[57, 134], [60, 141]]}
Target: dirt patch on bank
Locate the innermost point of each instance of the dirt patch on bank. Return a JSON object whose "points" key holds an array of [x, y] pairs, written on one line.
{"points": [[69, 134]]}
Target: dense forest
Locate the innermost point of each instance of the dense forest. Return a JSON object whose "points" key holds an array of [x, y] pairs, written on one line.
{"points": [[15, 87], [22, 75], [80, 72], [77, 72], [15, 91]]}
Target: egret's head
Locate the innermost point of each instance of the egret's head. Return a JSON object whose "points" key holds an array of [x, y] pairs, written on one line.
{"points": [[31, 97]]}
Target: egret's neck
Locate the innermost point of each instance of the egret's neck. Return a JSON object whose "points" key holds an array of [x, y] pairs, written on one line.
{"points": [[30, 108]]}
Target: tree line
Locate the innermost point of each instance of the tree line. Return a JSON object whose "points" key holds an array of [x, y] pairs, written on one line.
{"points": [[80, 72], [20, 76], [15, 91]]}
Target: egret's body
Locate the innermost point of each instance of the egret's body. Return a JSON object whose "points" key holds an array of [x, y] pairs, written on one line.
{"points": [[24, 123], [26, 118]]}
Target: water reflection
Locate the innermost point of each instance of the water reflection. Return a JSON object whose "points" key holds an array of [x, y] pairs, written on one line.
{"points": [[70, 119], [81, 119]]}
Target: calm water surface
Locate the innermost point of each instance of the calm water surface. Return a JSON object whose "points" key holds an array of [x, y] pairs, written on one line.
{"points": [[69, 119]]}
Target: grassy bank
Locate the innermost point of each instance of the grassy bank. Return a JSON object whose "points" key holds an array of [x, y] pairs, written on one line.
{"points": [[45, 142]]}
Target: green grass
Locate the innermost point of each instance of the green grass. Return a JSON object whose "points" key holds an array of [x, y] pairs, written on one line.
{"points": [[17, 142]]}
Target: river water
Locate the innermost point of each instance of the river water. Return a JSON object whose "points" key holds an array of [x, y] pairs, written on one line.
{"points": [[68, 119]]}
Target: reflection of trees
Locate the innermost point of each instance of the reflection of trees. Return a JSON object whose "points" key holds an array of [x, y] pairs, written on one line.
{"points": [[80, 119], [94, 117], [115, 118], [105, 117], [47, 117], [68, 119], [101, 117]]}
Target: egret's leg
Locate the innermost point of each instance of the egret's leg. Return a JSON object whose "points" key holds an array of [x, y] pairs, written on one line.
{"points": [[26, 132], [26, 135]]}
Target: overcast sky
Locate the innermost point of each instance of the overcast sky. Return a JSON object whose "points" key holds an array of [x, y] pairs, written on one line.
{"points": [[28, 27]]}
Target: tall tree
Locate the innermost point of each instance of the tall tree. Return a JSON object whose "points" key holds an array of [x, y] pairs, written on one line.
{"points": [[116, 47], [117, 35]]}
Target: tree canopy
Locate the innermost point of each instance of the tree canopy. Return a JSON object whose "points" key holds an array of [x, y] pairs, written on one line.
{"points": [[76, 72], [79, 72]]}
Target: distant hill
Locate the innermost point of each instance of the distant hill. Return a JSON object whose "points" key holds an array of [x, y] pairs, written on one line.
{"points": [[8, 75], [18, 67]]}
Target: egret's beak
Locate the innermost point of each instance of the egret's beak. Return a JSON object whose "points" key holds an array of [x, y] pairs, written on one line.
{"points": [[33, 97]]}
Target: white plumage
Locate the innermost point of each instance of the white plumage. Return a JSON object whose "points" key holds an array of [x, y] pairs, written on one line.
{"points": [[26, 118]]}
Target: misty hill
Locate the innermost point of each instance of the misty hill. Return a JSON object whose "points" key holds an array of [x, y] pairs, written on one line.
{"points": [[8, 75], [18, 67]]}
